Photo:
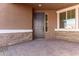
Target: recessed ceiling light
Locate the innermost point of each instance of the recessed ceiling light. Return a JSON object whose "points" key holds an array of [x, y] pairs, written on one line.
{"points": [[39, 5]]}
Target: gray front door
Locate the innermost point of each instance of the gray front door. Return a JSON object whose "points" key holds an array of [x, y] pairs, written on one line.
{"points": [[38, 24]]}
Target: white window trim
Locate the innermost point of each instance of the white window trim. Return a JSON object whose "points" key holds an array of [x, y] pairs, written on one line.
{"points": [[67, 30], [76, 17]]}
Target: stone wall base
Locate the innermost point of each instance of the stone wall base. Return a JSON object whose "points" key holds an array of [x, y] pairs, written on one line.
{"points": [[14, 38], [68, 35]]}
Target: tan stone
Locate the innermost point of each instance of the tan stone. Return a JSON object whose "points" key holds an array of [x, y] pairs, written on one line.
{"points": [[14, 38], [70, 36]]}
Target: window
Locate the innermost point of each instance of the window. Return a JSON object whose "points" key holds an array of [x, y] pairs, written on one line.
{"points": [[70, 22], [46, 22], [67, 19], [62, 19]]}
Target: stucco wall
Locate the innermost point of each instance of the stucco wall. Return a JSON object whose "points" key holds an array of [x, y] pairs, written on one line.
{"points": [[15, 16], [50, 34]]}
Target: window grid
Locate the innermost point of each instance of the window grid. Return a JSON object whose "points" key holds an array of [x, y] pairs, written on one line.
{"points": [[58, 21]]}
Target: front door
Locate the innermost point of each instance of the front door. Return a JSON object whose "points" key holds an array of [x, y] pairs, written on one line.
{"points": [[39, 25]]}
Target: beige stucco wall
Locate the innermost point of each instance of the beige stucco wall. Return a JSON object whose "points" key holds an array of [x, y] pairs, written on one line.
{"points": [[50, 34], [51, 24], [15, 16]]}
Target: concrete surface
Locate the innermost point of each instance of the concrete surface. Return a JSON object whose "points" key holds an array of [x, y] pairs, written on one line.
{"points": [[42, 47]]}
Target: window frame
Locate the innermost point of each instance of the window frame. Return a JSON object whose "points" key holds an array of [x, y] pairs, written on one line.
{"points": [[66, 17], [76, 8]]}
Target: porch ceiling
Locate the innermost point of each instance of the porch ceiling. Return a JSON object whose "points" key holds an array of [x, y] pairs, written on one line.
{"points": [[53, 6]]}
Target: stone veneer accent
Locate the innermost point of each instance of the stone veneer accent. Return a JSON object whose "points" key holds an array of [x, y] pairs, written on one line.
{"points": [[14, 38], [68, 35]]}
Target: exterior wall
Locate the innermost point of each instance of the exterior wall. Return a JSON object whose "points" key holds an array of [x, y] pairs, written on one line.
{"points": [[50, 34], [68, 35], [15, 16], [19, 16], [61, 35], [51, 24]]}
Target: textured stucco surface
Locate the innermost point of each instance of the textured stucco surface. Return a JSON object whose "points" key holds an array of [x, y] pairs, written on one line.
{"points": [[14, 38], [15, 16]]}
